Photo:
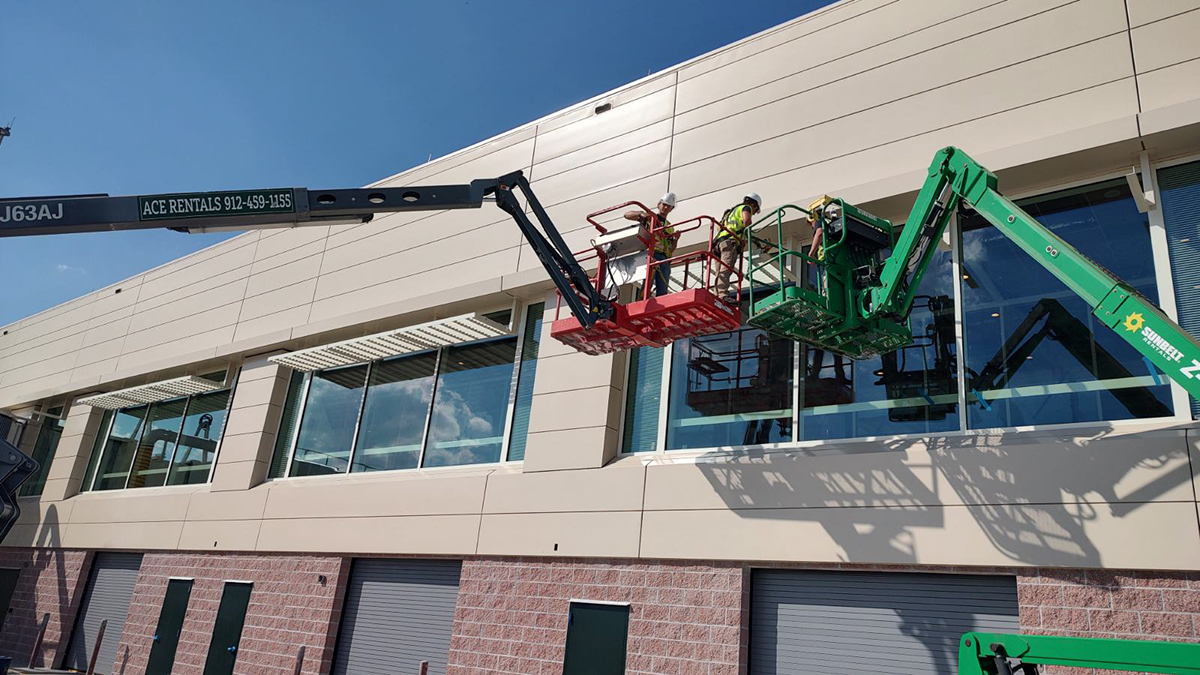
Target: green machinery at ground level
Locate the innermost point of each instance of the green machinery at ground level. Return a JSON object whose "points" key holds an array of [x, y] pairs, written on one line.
{"points": [[868, 277], [1007, 654]]}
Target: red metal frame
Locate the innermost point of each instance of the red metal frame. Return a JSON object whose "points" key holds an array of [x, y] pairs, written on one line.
{"points": [[658, 321]]}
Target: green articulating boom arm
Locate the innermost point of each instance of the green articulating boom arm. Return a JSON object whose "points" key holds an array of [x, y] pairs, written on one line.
{"points": [[955, 178], [994, 654]]}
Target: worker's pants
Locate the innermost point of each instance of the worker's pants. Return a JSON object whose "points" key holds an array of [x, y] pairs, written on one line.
{"points": [[662, 273], [729, 251]]}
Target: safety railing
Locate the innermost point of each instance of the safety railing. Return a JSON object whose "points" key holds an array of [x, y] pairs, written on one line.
{"points": [[783, 255], [703, 267]]}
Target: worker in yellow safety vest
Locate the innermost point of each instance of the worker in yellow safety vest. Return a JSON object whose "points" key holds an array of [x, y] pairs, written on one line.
{"points": [[665, 238], [731, 241], [816, 219]]}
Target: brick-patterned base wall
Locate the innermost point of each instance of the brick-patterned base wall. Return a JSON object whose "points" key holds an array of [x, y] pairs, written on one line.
{"points": [[289, 609], [1135, 605], [684, 618], [51, 582]]}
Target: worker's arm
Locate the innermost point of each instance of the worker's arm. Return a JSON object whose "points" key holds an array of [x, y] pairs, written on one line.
{"points": [[639, 216], [818, 234]]}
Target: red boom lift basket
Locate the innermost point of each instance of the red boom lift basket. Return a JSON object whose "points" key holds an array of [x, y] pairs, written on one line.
{"points": [[686, 312]]}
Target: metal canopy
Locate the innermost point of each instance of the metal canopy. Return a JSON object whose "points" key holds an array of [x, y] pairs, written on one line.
{"points": [[431, 335], [151, 393]]}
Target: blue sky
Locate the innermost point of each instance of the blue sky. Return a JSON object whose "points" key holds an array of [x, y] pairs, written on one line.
{"points": [[145, 97]]}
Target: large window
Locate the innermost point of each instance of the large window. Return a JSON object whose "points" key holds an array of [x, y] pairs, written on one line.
{"points": [[913, 390], [1035, 354], [171, 442], [1028, 352], [43, 451], [446, 407], [730, 389], [1180, 190]]}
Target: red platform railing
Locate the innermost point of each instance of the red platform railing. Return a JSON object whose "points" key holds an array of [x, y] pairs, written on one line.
{"points": [[696, 308]]}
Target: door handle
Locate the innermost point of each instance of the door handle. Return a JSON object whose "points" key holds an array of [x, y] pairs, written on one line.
{"points": [[156, 639], [233, 649]]}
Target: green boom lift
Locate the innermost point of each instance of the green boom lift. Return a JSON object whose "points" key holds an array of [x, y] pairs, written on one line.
{"points": [[1007, 654], [869, 277]]}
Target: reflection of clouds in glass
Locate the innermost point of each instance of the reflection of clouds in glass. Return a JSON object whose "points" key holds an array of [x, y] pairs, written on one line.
{"points": [[395, 413], [470, 405]]}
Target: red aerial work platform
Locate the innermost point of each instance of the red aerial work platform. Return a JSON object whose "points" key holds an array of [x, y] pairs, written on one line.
{"points": [[688, 311]]}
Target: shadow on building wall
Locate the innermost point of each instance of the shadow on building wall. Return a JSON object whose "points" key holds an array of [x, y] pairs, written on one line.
{"points": [[1032, 501]]}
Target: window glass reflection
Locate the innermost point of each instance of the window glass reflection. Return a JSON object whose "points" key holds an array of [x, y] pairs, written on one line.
{"points": [[530, 347], [393, 419], [118, 452], [911, 390], [467, 424], [327, 426], [157, 445], [97, 448], [730, 389], [642, 400], [1035, 353], [197, 445], [43, 451]]}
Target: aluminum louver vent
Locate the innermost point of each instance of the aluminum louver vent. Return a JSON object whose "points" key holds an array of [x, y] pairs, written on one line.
{"points": [[151, 393], [431, 335]]}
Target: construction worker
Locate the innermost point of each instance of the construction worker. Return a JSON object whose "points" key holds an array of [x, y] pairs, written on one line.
{"points": [[816, 250], [665, 239], [731, 241]]}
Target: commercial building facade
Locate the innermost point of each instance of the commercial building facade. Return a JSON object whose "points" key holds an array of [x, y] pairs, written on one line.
{"points": [[727, 504]]}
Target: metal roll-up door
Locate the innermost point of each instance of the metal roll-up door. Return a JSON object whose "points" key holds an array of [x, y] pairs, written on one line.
{"points": [[1180, 188], [109, 590], [838, 623], [397, 614]]}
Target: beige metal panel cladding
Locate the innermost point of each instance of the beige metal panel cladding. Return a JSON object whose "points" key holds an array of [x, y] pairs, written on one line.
{"points": [[284, 275], [818, 95], [296, 293], [408, 535], [609, 534], [1012, 127], [375, 495], [888, 36], [271, 323], [1121, 471], [1144, 11], [224, 535], [1170, 85], [485, 268], [603, 151], [561, 450], [1167, 42], [618, 488], [613, 172], [629, 111], [1023, 534], [1075, 69], [828, 19]]}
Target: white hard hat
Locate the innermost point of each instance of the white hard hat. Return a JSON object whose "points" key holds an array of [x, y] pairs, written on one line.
{"points": [[668, 199], [753, 196]]}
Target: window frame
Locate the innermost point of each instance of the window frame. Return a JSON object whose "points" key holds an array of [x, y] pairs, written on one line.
{"points": [[1164, 280], [232, 376], [519, 314]]}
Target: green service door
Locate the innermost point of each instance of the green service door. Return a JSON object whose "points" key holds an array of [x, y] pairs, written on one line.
{"points": [[222, 650], [170, 622], [596, 638], [8, 584]]}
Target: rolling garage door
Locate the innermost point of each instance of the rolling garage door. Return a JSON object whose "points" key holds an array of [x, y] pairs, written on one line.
{"points": [[397, 614], [109, 590], [838, 623]]}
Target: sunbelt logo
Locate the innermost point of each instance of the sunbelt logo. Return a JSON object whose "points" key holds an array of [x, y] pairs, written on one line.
{"points": [[1136, 323]]}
